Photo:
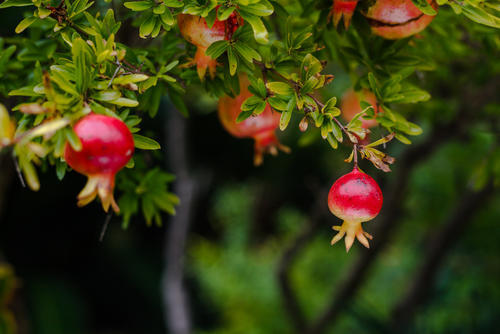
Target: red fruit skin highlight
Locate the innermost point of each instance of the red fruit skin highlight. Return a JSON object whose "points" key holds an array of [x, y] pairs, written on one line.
{"points": [[261, 127], [395, 19], [355, 198], [107, 146], [196, 31]]}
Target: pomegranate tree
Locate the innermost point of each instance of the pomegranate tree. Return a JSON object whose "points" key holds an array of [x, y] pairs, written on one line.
{"points": [[394, 19], [350, 106], [196, 31], [261, 127], [107, 146], [355, 198]]}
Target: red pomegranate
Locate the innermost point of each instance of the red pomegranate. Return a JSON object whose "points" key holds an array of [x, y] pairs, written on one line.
{"points": [[107, 146], [355, 198], [345, 9], [261, 127], [394, 19], [350, 106], [195, 30]]}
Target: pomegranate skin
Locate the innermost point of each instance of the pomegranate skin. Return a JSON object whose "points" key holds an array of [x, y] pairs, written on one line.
{"points": [[345, 9], [350, 106], [395, 19], [261, 127], [355, 198], [107, 146], [195, 30]]}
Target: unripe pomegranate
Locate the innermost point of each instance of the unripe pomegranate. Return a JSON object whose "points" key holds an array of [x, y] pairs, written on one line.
{"points": [[343, 8], [355, 198], [350, 106], [107, 146], [394, 19], [195, 30], [261, 127]]}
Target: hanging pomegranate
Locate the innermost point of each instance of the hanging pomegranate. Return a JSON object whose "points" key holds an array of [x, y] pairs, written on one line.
{"points": [[261, 127], [107, 146], [355, 198], [394, 19], [196, 31]]}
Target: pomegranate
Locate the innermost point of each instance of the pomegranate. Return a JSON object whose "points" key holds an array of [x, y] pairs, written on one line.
{"points": [[394, 19], [195, 30], [107, 146], [261, 127], [350, 106], [355, 198], [345, 9]]}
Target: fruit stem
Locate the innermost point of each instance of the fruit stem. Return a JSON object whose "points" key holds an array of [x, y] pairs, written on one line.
{"points": [[355, 155]]}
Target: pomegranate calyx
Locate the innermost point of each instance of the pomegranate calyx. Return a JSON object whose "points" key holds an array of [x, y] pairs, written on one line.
{"points": [[351, 230], [99, 185], [267, 142], [345, 9]]}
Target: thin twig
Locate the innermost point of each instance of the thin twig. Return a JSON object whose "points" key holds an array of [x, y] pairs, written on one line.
{"points": [[105, 225], [18, 171], [115, 74]]}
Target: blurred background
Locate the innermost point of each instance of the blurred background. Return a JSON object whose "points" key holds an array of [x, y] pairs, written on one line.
{"points": [[249, 249]]}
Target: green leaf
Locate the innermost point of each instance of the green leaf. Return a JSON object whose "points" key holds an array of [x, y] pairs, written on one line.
{"points": [[131, 78], [125, 102], [286, 115], [332, 141], [329, 106], [83, 60], [16, 3], [233, 61], [138, 6], [403, 139], [279, 88], [309, 85], [277, 103], [337, 132], [30, 174], [259, 29], [479, 15], [251, 103], [167, 17], [145, 143], [216, 49], [173, 3], [45, 128], [25, 24], [247, 52], [106, 95], [374, 85], [224, 12], [425, 7], [73, 139], [243, 115], [147, 26]]}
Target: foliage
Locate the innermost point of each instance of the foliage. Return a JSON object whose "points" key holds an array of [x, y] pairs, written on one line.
{"points": [[70, 58]]}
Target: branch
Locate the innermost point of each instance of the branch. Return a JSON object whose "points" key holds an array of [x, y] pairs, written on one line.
{"points": [[290, 301], [436, 251], [177, 314], [264, 69]]}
